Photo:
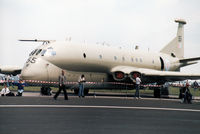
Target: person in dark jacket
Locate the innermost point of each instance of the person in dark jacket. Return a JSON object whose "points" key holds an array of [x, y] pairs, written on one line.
{"points": [[187, 96], [20, 87], [62, 80]]}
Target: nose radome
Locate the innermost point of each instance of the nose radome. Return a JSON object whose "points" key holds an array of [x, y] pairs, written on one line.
{"points": [[27, 74]]}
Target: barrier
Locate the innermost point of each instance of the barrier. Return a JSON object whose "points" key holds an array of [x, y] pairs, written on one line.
{"points": [[39, 83]]}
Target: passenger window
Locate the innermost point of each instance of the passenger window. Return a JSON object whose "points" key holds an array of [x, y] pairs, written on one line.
{"points": [[140, 59], [100, 56], [132, 59], [136, 59], [115, 57], [123, 58]]}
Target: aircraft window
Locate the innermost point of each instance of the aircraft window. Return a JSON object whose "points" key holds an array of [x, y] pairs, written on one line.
{"points": [[115, 57], [140, 59], [100, 56], [136, 59], [153, 61], [84, 55], [132, 59], [38, 51], [123, 58], [43, 52], [48, 52]]}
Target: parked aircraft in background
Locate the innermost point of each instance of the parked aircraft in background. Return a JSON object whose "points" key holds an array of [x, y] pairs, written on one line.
{"points": [[11, 70], [108, 63]]}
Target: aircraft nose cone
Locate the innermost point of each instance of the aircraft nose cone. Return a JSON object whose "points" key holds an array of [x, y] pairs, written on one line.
{"points": [[27, 74]]}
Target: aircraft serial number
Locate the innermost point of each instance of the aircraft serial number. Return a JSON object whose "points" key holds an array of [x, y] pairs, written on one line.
{"points": [[31, 60]]}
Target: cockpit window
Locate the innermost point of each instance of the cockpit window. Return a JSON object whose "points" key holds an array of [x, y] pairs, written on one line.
{"points": [[38, 51], [48, 52], [43, 52]]}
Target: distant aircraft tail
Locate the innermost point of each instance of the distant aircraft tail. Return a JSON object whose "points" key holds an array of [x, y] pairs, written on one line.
{"points": [[175, 48]]}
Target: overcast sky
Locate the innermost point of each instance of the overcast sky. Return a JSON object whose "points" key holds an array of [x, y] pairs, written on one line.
{"points": [[147, 23]]}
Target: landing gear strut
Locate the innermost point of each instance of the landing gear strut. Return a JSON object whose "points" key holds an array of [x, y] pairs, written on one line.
{"points": [[45, 91]]}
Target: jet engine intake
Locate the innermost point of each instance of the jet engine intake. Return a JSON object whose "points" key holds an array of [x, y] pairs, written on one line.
{"points": [[133, 75], [119, 76]]}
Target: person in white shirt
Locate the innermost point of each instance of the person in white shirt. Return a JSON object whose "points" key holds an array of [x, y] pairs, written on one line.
{"points": [[81, 80], [138, 81], [6, 92]]}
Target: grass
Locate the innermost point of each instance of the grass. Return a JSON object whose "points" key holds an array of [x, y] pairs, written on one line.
{"points": [[172, 90]]}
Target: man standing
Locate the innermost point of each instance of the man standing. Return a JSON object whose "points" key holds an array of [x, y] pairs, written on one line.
{"points": [[81, 81], [62, 79], [138, 81]]}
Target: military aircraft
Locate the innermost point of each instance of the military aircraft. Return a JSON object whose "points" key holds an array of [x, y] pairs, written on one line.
{"points": [[109, 63]]}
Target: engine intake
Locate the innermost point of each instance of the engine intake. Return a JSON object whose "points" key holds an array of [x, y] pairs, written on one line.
{"points": [[119, 76], [133, 75]]}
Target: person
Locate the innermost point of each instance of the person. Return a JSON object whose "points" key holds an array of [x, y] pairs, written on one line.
{"points": [[137, 82], [195, 85], [81, 82], [6, 92], [62, 80], [187, 96], [20, 87]]}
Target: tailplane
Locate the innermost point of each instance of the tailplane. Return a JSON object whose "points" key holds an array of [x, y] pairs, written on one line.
{"points": [[175, 48]]}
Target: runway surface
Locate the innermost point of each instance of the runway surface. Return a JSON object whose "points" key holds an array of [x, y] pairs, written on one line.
{"points": [[36, 115]]}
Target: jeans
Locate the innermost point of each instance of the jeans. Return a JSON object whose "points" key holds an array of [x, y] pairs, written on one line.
{"points": [[62, 87], [81, 90], [137, 93]]}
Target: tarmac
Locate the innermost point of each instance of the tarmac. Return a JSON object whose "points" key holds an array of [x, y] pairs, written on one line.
{"points": [[100, 114]]}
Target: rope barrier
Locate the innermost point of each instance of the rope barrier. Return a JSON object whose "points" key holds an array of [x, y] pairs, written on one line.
{"points": [[90, 83]]}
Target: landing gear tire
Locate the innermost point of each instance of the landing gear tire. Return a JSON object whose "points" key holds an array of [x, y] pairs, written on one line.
{"points": [[156, 92], [86, 91], [161, 92], [46, 91], [76, 91]]}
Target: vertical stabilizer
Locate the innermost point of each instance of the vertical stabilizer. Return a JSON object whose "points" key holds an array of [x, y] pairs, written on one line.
{"points": [[175, 48]]}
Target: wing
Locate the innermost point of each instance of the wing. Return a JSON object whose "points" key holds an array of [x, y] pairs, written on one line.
{"points": [[14, 70], [121, 73]]}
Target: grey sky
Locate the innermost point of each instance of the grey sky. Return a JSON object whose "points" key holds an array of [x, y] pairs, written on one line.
{"points": [[129, 22]]}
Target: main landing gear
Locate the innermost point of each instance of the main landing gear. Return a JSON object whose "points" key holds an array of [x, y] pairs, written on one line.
{"points": [[161, 92]]}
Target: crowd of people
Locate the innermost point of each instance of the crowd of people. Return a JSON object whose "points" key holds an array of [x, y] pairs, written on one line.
{"points": [[9, 82], [185, 94]]}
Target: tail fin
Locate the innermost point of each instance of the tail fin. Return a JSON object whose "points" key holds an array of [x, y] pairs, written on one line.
{"points": [[175, 48]]}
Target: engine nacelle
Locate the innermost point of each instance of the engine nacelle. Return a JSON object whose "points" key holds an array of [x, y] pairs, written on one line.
{"points": [[119, 76], [133, 75]]}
